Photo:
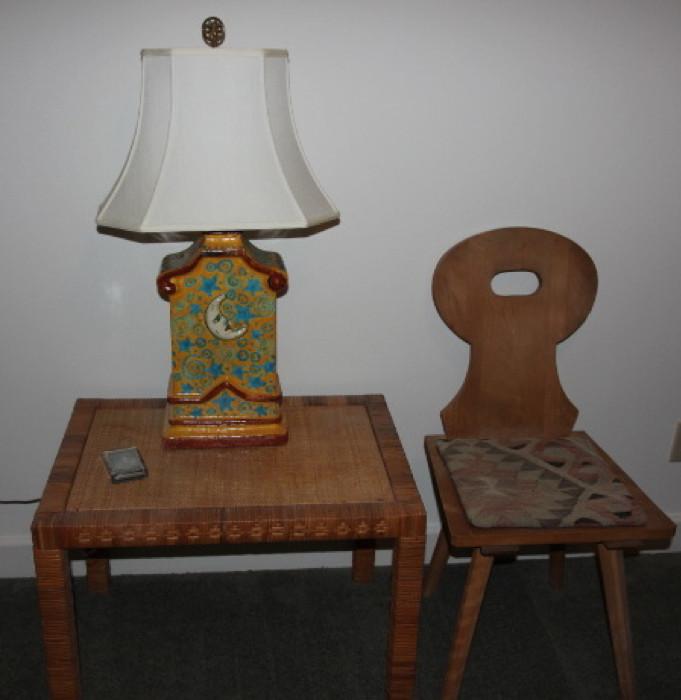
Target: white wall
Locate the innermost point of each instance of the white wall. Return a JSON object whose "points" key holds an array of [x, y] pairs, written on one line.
{"points": [[425, 122]]}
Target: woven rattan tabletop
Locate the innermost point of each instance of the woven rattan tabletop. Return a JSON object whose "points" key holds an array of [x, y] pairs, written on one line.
{"points": [[342, 475]]}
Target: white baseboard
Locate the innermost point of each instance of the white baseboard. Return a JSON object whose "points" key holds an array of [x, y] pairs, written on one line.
{"points": [[16, 556], [675, 545], [16, 559]]}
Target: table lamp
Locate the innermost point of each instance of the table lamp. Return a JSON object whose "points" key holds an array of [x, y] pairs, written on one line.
{"points": [[216, 159]]}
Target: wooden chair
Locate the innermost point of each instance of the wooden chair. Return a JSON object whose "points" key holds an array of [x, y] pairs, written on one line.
{"points": [[510, 471]]}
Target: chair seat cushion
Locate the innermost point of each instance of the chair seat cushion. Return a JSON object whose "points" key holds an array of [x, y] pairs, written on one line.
{"points": [[538, 483]]}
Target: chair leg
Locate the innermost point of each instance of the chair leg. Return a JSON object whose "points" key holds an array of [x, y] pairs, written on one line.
{"points": [[615, 591], [437, 564], [467, 618], [557, 566]]}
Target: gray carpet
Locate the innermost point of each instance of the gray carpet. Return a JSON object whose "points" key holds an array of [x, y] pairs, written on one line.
{"points": [[315, 634]]}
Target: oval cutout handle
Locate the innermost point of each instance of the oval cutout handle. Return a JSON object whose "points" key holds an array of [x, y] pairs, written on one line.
{"points": [[515, 283]]}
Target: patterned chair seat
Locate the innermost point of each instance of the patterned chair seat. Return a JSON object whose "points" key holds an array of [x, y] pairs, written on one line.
{"points": [[538, 483]]}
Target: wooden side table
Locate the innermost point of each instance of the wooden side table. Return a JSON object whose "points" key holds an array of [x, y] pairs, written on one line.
{"points": [[342, 476]]}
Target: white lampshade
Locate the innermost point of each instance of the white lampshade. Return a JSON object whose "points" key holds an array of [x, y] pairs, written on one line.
{"points": [[215, 149]]}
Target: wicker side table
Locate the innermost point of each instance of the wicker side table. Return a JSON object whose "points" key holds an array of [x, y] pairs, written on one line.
{"points": [[343, 476]]}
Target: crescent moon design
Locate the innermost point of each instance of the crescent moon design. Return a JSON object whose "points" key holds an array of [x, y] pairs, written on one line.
{"points": [[219, 325]]}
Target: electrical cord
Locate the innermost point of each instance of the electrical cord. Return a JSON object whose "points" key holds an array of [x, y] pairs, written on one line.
{"points": [[9, 503]]}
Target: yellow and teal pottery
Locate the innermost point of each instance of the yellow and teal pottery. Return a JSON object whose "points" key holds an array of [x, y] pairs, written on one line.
{"points": [[223, 388]]}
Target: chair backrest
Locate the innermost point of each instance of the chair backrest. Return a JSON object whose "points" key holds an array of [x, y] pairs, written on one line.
{"points": [[512, 388]]}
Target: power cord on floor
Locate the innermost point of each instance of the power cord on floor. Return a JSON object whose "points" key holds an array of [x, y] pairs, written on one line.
{"points": [[10, 503]]}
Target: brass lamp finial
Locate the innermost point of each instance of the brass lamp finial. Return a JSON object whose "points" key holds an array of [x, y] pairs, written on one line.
{"points": [[213, 31]]}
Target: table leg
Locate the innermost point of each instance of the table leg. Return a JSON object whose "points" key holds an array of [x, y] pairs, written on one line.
{"points": [[407, 576], [98, 575], [55, 597], [363, 559]]}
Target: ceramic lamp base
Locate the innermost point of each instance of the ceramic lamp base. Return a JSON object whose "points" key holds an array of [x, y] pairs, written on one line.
{"points": [[224, 434], [224, 387]]}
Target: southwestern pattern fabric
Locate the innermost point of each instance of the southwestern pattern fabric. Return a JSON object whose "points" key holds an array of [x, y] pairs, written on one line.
{"points": [[536, 483]]}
